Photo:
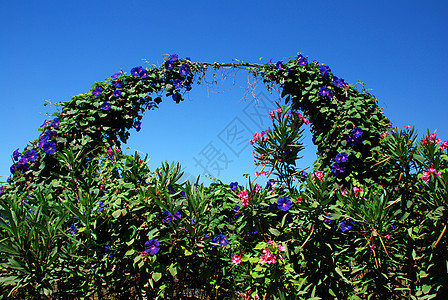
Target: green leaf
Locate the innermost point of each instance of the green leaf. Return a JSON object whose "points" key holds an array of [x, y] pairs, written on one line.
{"points": [[156, 276]]}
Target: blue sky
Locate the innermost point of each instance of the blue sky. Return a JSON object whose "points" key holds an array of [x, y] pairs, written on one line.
{"points": [[53, 50]]}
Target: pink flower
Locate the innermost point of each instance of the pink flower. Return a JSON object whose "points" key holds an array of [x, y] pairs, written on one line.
{"points": [[318, 174], [407, 127], [299, 199], [384, 134], [236, 259], [344, 192], [426, 177], [387, 236], [356, 190], [255, 297], [432, 170], [281, 248], [267, 257], [244, 198]]}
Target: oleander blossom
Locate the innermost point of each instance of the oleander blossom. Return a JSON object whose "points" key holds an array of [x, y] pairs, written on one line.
{"points": [[318, 174], [236, 259], [267, 257], [431, 173], [152, 246], [244, 198]]}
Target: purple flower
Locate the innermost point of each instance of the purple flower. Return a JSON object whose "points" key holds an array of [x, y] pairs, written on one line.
{"points": [[270, 184], [356, 137], [325, 92], [339, 82], [327, 220], [143, 73], [284, 204], [166, 217], [117, 84], [115, 76], [280, 65], [169, 65], [117, 93], [325, 71], [177, 216], [303, 61], [56, 122], [101, 206], [152, 247], [96, 91], [31, 155], [171, 189], [138, 126], [220, 239], [16, 154], [108, 249], [183, 194], [136, 70], [304, 175], [22, 165], [177, 83], [341, 157], [173, 57], [73, 229], [346, 225], [13, 169], [2, 188], [49, 147], [105, 106], [188, 58], [234, 186], [184, 70], [339, 169]]}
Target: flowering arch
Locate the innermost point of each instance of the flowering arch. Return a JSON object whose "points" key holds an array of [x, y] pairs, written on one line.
{"points": [[346, 123]]}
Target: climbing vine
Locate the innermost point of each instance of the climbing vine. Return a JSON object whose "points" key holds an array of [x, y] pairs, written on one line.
{"points": [[81, 218]]}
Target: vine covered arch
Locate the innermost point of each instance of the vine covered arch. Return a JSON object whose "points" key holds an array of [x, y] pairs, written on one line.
{"points": [[343, 119], [79, 218]]}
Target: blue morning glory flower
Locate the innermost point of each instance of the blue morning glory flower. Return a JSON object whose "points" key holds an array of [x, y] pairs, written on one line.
{"points": [[49, 147], [152, 247], [184, 70], [220, 239], [96, 91], [325, 92], [284, 204], [105, 106]]}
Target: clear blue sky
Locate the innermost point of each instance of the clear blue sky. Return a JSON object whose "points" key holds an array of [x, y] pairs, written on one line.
{"points": [[53, 50]]}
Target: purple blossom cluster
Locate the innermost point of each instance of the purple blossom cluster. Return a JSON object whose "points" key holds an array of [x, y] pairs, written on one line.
{"points": [[340, 167], [326, 92], [356, 138]]}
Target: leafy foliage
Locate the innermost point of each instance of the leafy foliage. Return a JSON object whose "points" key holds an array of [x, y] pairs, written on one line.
{"points": [[79, 218]]}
